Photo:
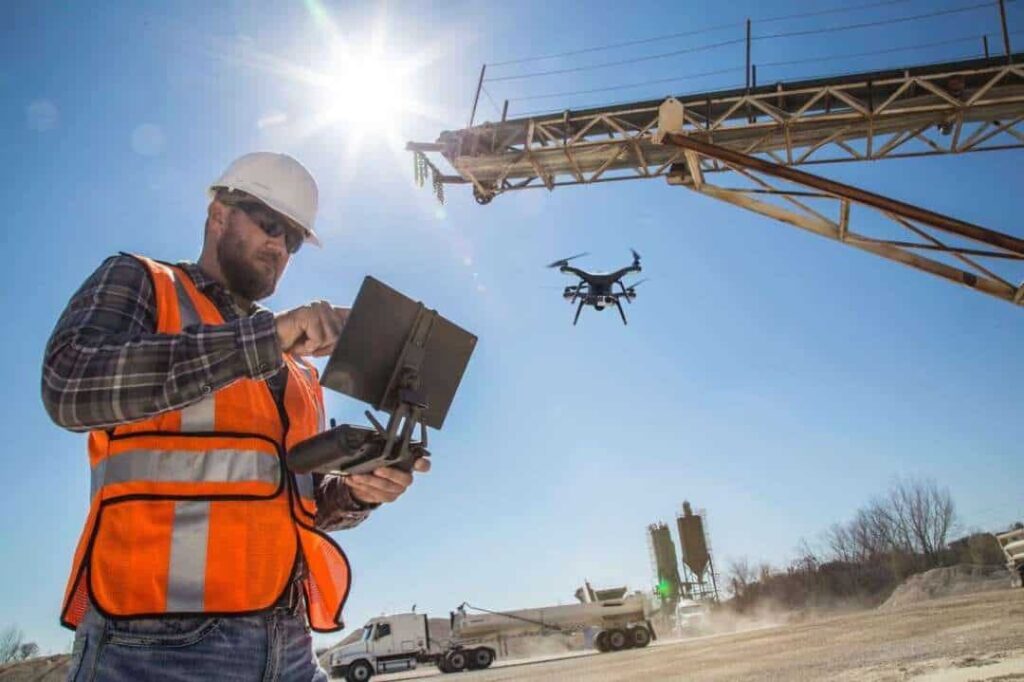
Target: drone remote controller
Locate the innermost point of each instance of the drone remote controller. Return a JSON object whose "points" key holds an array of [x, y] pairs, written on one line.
{"points": [[352, 449]]}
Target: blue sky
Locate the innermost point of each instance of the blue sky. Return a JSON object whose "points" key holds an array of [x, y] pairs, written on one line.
{"points": [[773, 378]]}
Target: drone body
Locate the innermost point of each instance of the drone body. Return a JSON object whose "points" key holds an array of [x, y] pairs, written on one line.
{"points": [[598, 289]]}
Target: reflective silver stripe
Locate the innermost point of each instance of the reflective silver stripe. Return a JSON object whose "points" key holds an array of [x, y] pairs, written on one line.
{"points": [[304, 483], [186, 572], [186, 310], [198, 416], [186, 466]]}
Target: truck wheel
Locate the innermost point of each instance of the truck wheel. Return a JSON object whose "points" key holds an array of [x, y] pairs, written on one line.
{"points": [[480, 658], [360, 671], [639, 636], [601, 641], [456, 661], [617, 640]]}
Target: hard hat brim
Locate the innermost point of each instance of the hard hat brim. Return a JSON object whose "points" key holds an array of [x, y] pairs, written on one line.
{"points": [[308, 234]]}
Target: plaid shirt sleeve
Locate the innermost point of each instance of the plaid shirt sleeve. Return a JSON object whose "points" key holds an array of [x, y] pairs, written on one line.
{"points": [[105, 364]]}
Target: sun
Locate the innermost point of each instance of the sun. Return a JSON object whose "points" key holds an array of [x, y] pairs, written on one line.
{"points": [[359, 88], [366, 91]]}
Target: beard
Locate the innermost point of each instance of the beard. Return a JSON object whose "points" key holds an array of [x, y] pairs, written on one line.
{"points": [[245, 277]]}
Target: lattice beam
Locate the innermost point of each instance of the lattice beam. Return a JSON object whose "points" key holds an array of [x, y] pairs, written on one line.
{"points": [[938, 109]]}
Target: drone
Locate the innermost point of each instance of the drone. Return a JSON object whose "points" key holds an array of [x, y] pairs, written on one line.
{"points": [[597, 288]]}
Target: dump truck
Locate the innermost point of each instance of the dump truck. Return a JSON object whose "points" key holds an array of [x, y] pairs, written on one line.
{"points": [[1012, 542], [405, 641]]}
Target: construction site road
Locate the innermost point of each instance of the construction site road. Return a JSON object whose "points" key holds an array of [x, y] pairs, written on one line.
{"points": [[955, 639]]}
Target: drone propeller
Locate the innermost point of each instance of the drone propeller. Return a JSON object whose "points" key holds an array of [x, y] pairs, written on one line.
{"points": [[636, 257], [565, 261], [630, 291]]}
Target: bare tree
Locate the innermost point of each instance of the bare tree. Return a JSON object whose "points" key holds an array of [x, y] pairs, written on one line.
{"points": [[807, 558], [10, 642], [741, 575], [13, 646], [925, 515], [914, 517], [842, 545]]}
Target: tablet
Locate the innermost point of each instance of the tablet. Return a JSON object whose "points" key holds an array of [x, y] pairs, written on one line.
{"points": [[387, 330]]}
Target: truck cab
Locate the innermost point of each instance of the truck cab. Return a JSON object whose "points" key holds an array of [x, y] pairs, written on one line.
{"points": [[691, 618], [388, 644]]}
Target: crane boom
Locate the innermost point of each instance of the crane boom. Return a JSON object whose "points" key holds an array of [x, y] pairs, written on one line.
{"points": [[758, 137], [974, 105]]}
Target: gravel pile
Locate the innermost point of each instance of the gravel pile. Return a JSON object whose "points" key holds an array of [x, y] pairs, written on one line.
{"points": [[947, 582]]}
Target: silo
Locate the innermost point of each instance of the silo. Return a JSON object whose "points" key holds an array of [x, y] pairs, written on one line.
{"points": [[699, 580], [664, 562]]}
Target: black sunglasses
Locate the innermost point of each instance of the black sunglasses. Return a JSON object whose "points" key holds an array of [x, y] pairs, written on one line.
{"points": [[273, 225]]}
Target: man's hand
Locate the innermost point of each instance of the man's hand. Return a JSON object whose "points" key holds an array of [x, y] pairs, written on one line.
{"points": [[384, 484], [311, 329]]}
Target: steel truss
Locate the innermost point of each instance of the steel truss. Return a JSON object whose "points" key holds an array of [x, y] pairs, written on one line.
{"points": [[787, 194], [938, 109]]}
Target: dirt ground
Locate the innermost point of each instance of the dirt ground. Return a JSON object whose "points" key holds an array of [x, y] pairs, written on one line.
{"points": [[954, 639], [963, 638]]}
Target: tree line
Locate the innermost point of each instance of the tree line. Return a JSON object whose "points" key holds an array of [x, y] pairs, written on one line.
{"points": [[904, 531]]}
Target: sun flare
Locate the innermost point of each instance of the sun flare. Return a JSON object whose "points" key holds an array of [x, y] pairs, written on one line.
{"points": [[366, 91]]}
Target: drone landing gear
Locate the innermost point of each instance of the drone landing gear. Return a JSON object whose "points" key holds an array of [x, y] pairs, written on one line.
{"points": [[624, 291], [621, 313], [579, 309]]}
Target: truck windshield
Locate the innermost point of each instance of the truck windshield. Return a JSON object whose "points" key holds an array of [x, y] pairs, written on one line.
{"points": [[367, 631]]}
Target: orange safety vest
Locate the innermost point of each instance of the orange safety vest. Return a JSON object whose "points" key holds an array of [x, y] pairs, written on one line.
{"points": [[193, 511]]}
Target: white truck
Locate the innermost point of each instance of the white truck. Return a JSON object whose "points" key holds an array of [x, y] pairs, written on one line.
{"points": [[404, 641], [691, 618], [1012, 542]]}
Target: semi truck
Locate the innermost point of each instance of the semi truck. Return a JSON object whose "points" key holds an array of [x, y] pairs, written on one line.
{"points": [[1012, 542], [405, 641]]}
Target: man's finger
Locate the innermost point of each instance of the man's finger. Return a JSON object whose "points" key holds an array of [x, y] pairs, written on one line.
{"points": [[402, 478], [378, 483], [331, 326], [341, 314], [334, 318], [369, 495], [315, 336], [373, 495], [421, 464]]}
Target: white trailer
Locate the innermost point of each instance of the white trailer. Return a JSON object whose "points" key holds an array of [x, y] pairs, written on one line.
{"points": [[404, 641], [1012, 543]]}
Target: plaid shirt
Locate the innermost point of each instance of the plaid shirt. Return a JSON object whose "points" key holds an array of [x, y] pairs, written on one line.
{"points": [[105, 364]]}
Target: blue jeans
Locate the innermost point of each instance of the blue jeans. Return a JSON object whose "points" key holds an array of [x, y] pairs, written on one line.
{"points": [[275, 645]]}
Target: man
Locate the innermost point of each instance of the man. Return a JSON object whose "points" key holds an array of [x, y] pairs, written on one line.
{"points": [[202, 556]]}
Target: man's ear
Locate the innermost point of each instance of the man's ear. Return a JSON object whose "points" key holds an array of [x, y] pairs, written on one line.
{"points": [[217, 215]]}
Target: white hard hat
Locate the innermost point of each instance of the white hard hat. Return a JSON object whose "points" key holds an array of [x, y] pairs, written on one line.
{"points": [[279, 181]]}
